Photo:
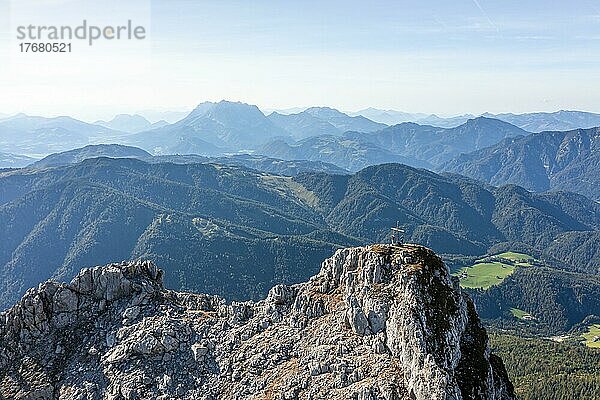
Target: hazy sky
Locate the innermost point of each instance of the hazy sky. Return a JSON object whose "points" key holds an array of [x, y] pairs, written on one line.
{"points": [[447, 57]]}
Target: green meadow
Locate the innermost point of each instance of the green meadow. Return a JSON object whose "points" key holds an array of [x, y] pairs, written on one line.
{"points": [[520, 314], [591, 335], [520, 259], [492, 270], [485, 274], [511, 255]]}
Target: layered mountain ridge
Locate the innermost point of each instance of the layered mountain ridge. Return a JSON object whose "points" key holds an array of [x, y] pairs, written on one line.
{"points": [[562, 120], [408, 143], [210, 225], [211, 129], [131, 123], [350, 142], [258, 162], [539, 162], [33, 135], [8, 160], [377, 322]]}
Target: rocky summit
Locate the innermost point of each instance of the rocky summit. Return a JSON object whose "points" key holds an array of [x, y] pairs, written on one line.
{"points": [[377, 322]]}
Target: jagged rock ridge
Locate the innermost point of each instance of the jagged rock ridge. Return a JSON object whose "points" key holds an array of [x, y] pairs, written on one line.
{"points": [[377, 322]]}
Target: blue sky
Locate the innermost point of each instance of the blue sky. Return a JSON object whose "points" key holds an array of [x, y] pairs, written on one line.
{"points": [[446, 57]]}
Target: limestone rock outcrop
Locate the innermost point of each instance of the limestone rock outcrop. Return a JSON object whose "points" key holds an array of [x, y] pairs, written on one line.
{"points": [[377, 322]]}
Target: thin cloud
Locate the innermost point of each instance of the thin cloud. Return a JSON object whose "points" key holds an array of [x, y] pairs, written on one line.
{"points": [[439, 21], [533, 37], [486, 15]]}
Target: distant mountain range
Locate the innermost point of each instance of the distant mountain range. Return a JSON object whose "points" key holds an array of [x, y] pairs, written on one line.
{"points": [[388, 117], [218, 128], [92, 151], [408, 143], [344, 122], [539, 162], [8, 160], [211, 129], [31, 135], [317, 134], [437, 145], [208, 225], [555, 121], [393, 117], [131, 123], [317, 121], [325, 139], [257, 162], [304, 125], [163, 115], [350, 153], [532, 122]]}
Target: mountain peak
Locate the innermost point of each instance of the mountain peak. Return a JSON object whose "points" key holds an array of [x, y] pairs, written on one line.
{"points": [[211, 128], [91, 151], [207, 107], [323, 111], [489, 121], [129, 117], [200, 109], [206, 104], [237, 105], [481, 118], [344, 122], [130, 123], [400, 320]]}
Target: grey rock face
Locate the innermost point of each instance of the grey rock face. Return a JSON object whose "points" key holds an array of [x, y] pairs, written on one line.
{"points": [[378, 322]]}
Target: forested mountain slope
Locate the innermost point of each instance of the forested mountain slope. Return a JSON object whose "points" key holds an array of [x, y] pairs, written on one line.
{"points": [[209, 224]]}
